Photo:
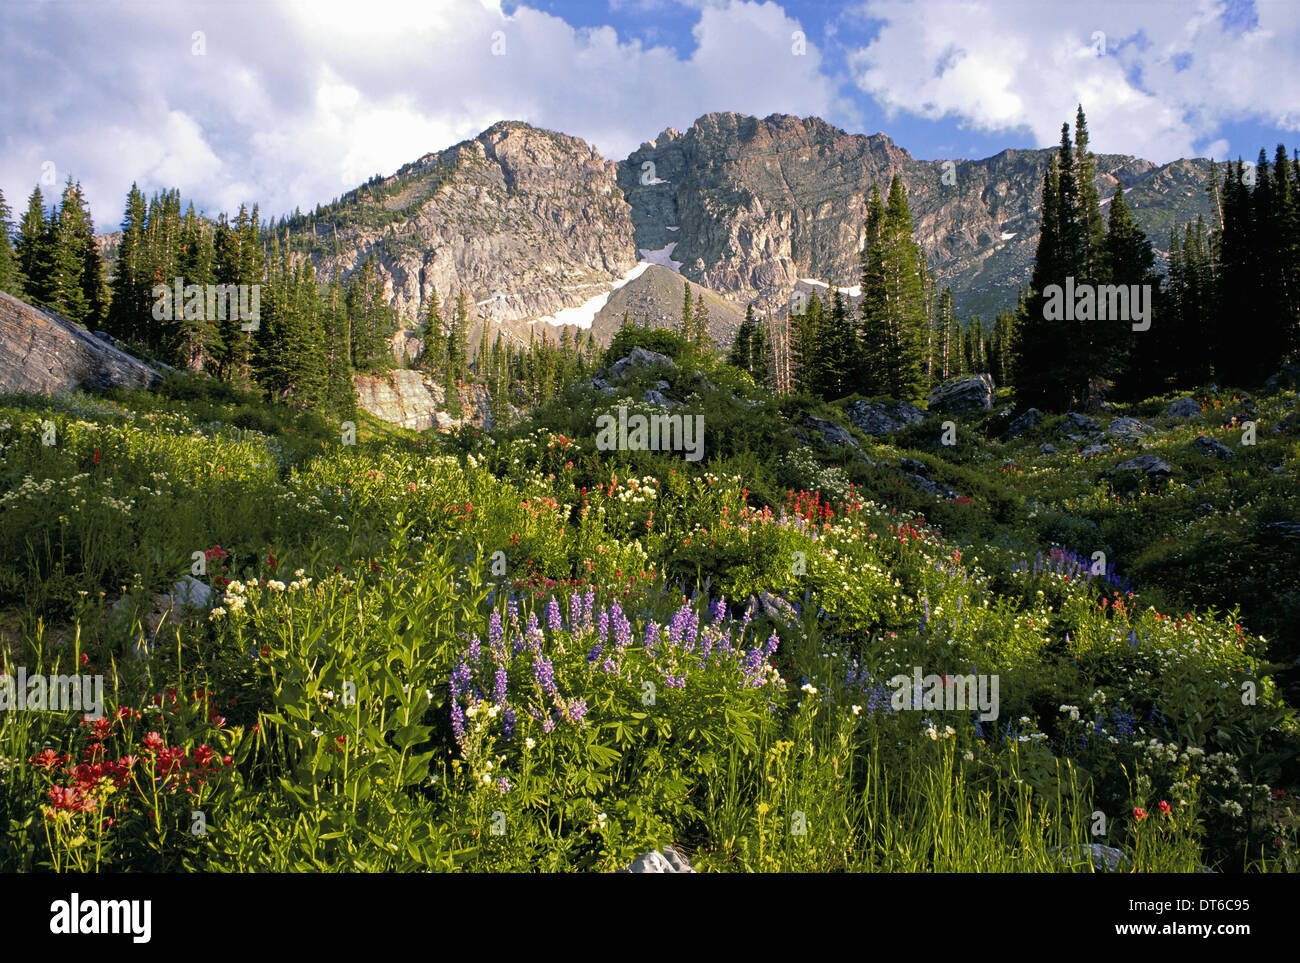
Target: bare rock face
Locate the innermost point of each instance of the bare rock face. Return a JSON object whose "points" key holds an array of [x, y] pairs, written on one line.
{"points": [[525, 221], [412, 399], [43, 353]]}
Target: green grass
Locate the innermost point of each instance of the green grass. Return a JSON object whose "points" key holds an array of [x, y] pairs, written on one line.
{"points": [[353, 581]]}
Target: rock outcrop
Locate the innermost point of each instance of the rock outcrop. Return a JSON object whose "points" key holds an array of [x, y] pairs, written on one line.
{"points": [[43, 352], [412, 399], [961, 395], [880, 419]]}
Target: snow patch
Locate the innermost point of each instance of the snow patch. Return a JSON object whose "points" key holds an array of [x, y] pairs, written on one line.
{"points": [[662, 257], [672, 228], [853, 292], [1007, 237], [658, 180], [584, 315]]}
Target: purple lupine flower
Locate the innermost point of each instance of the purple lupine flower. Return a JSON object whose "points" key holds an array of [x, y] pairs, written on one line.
{"points": [[718, 609], [578, 710], [677, 626], [503, 785], [692, 630], [588, 604], [610, 666], [622, 627], [594, 655], [602, 626], [553, 619], [508, 716], [753, 660], [651, 637], [534, 633], [475, 651], [773, 641], [500, 681], [497, 638], [575, 611], [548, 724]]}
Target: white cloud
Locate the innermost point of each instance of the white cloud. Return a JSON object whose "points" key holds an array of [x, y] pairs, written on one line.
{"points": [[1002, 66], [295, 103]]}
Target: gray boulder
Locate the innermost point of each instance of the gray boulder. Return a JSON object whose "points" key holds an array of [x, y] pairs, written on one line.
{"points": [[961, 395], [1095, 450], [669, 861], [603, 386], [1182, 409], [1081, 422], [653, 397], [641, 358], [1150, 465], [831, 433], [879, 419], [1211, 448], [773, 606], [1281, 530], [1026, 422], [1099, 858], [1128, 428], [1047, 450]]}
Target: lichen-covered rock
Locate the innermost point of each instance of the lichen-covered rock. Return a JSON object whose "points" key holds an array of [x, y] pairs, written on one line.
{"points": [[1152, 466], [1129, 428], [640, 358], [880, 419], [831, 433], [961, 395], [44, 353]]}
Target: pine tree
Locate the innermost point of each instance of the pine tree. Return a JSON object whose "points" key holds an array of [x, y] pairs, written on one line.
{"points": [[11, 276], [132, 295], [739, 356], [35, 250], [893, 332], [688, 324], [1118, 351], [433, 356], [700, 323]]}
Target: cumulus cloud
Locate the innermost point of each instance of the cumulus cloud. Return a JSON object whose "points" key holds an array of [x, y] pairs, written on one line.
{"points": [[290, 104], [1158, 82]]}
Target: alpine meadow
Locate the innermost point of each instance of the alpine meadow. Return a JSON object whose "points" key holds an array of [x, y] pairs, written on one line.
{"points": [[764, 496]]}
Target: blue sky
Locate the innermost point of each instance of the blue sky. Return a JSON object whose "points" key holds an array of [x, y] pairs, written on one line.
{"points": [[292, 102]]}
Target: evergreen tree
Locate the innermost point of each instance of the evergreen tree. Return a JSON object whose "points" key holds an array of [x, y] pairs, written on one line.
{"points": [[35, 250], [688, 323], [11, 276], [132, 295], [433, 356], [739, 356], [894, 324], [1117, 350]]}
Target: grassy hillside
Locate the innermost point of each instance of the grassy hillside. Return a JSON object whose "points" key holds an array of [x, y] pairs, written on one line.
{"points": [[518, 651]]}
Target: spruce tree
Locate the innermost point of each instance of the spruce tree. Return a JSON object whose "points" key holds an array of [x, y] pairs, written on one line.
{"points": [[11, 276], [35, 250]]}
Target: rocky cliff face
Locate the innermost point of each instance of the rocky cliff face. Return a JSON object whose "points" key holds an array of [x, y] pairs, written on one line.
{"points": [[526, 221], [759, 204], [413, 400], [537, 227], [43, 352]]}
